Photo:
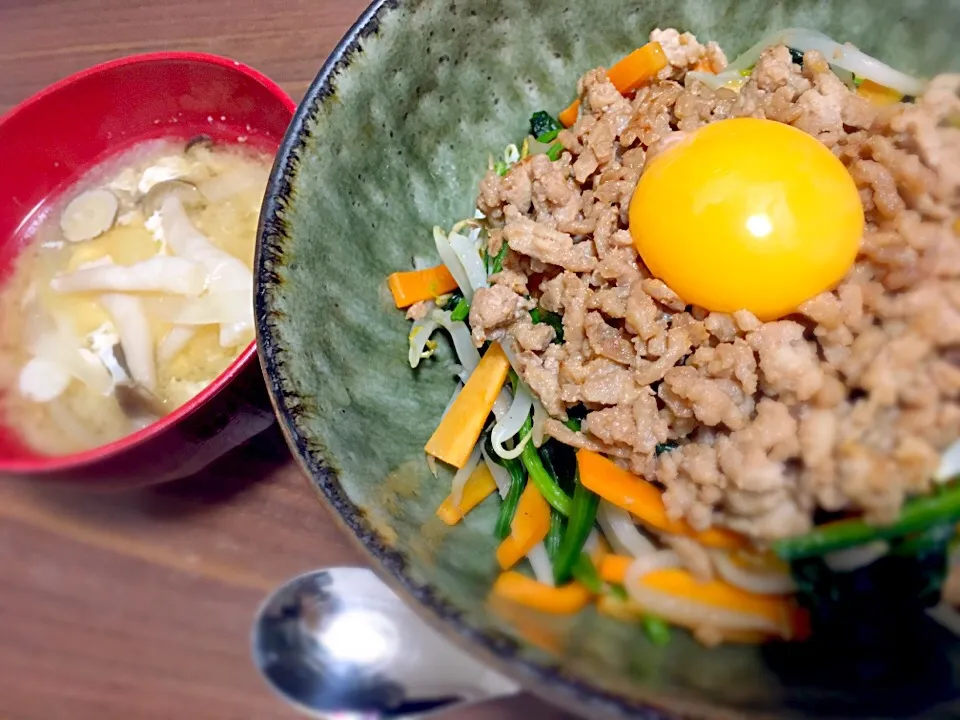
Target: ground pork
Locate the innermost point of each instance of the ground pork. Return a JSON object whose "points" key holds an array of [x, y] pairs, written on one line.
{"points": [[845, 405]]}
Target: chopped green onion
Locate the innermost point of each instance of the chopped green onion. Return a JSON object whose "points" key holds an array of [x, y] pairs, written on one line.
{"points": [[461, 311], [548, 137], [656, 630], [857, 81], [796, 56], [497, 263], [550, 318], [452, 300], [619, 592], [583, 513], [500, 168], [573, 423], [555, 534], [542, 123], [554, 152], [508, 508], [915, 516], [544, 482], [746, 72], [585, 573]]}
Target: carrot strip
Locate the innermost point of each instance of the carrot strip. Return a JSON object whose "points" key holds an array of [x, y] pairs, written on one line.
{"points": [[680, 583], [878, 94], [520, 589], [633, 71], [568, 116], [644, 500], [530, 525], [478, 487], [457, 434], [416, 285]]}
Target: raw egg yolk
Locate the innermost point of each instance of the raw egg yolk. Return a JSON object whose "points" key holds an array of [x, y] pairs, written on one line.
{"points": [[747, 214]]}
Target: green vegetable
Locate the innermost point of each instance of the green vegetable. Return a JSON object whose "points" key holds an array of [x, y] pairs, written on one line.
{"points": [[585, 573], [461, 311], [539, 476], [619, 592], [555, 534], [452, 301], [508, 508], [561, 462], [542, 123], [548, 137], [665, 447], [554, 152], [583, 513], [495, 264], [500, 168], [573, 423], [796, 56], [538, 315], [917, 515], [656, 630]]}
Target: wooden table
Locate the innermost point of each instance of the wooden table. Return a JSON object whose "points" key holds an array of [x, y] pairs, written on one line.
{"points": [[137, 606]]}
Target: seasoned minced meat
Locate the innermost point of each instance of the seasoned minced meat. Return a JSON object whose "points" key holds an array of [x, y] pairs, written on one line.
{"points": [[845, 405]]}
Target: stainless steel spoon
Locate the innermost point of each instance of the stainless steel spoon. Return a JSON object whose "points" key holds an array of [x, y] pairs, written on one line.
{"points": [[339, 644]]}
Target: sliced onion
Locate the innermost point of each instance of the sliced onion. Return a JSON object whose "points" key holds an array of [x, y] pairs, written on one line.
{"points": [[227, 274], [509, 426], [681, 611], [753, 581], [449, 258], [842, 56], [463, 474], [856, 557], [469, 256], [540, 562], [163, 274], [61, 346], [622, 532]]}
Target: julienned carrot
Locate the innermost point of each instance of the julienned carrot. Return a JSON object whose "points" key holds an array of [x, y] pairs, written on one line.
{"points": [[520, 589], [416, 285], [530, 526], [457, 434], [717, 593], [478, 487], [643, 499], [633, 71], [878, 94]]}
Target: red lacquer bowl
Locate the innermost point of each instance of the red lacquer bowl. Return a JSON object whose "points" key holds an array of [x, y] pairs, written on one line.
{"points": [[47, 143]]}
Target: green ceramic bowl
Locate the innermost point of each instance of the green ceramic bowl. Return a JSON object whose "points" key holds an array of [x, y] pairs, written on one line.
{"points": [[392, 139]]}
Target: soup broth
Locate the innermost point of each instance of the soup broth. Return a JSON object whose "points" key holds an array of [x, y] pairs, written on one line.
{"points": [[132, 295]]}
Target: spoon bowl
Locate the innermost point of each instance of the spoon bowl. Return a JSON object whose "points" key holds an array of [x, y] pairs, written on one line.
{"points": [[338, 643]]}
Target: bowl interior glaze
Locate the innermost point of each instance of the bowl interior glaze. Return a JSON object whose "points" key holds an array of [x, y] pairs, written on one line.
{"points": [[392, 139]]}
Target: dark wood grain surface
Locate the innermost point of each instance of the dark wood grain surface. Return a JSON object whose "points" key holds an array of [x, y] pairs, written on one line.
{"points": [[137, 606]]}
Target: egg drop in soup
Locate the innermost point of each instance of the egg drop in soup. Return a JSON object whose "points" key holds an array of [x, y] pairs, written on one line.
{"points": [[132, 294], [747, 214]]}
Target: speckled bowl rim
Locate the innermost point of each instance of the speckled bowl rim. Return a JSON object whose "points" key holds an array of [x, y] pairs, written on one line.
{"points": [[498, 651]]}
